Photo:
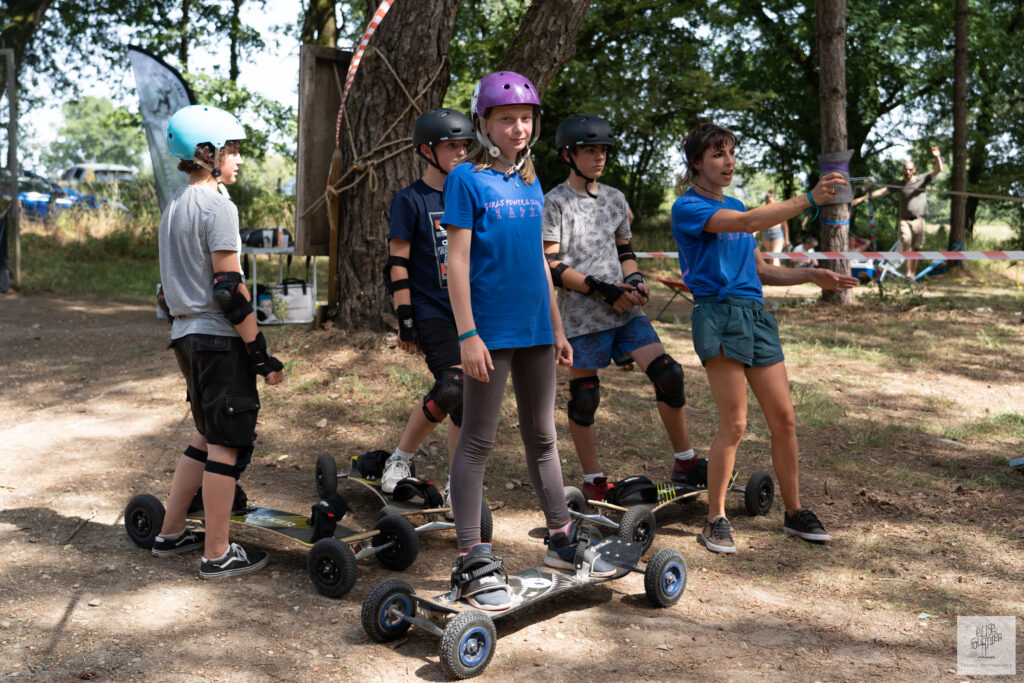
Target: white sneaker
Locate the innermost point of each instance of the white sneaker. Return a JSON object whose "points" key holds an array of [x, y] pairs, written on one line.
{"points": [[395, 470]]}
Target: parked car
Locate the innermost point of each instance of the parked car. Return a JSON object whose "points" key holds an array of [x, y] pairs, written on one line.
{"points": [[40, 195], [96, 173]]}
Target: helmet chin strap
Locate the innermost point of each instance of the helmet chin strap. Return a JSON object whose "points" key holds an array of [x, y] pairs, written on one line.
{"points": [[492, 149], [432, 161], [213, 169], [586, 184]]}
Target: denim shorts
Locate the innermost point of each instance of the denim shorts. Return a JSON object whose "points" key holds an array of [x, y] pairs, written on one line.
{"points": [[597, 349], [739, 329], [221, 390]]}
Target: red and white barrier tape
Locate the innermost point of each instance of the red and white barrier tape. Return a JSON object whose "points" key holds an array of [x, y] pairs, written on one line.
{"points": [[871, 255], [353, 66]]}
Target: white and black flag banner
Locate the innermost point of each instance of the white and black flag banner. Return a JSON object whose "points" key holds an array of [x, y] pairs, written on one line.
{"points": [[162, 91]]}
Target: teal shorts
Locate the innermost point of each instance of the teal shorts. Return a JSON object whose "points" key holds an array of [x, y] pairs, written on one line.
{"points": [[737, 328]]}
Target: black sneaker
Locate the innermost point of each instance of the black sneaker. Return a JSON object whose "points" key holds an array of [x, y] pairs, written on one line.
{"points": [[717, 536], [186, 540], [235, 562], [806, 525], [568, 552], [480, 580]]}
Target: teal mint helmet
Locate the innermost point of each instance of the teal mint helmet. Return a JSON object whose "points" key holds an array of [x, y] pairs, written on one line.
{"points": [[199, 123]]}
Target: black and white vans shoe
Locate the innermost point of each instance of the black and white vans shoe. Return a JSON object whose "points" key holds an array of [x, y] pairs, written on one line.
{"points": [[165, 546], [234, 562]]}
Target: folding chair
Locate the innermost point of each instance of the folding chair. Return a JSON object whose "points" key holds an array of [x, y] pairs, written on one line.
{"points": [[678, 288], [891, 267]]}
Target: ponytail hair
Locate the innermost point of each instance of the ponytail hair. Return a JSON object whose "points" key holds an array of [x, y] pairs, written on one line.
{"points": [[702, 137]]}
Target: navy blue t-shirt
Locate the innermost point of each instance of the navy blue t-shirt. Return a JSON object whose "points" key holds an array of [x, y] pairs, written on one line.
{"points": [[719, 264], [508, 281], [415, 217]]}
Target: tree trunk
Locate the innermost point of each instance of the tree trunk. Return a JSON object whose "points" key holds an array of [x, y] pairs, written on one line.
{"points": [[183, 35], [958, 216], [19, 20], [831, 15], [236, 33], [379, 117], [546, 40], [320, 25]]}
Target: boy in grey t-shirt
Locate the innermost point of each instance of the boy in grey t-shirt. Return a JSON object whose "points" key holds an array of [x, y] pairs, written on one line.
{"points": [[216, 342], [587, 244]]}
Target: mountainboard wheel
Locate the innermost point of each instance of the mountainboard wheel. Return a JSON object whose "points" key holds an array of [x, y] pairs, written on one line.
{"points": [[638, 525], [575, 499], [467, 644], [665, 578], [486, 523], [384, 608], [143, 517], [332, 567], [759, 494], [407, 544], [326, 476]]}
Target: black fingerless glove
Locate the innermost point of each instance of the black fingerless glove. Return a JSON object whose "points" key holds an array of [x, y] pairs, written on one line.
{"points": [[406, 326], [262, 362], [634, 280], [609, 292]]}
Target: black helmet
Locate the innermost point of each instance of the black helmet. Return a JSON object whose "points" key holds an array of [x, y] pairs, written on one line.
{"points": [[583, 129], [441, 124]]}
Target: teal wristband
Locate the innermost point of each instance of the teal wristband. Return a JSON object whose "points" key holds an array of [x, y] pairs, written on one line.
{"points": [[466, 335], [810, 198]]}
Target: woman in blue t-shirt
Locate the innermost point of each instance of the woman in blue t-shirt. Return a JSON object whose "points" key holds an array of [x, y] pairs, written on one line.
{"points": [[508, 323], [735, 338]]}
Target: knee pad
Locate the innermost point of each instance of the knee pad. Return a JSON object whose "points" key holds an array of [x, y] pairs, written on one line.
{"points": [[194, 453], [667, 376], [586, 396], [445, 397], [214, 467]]}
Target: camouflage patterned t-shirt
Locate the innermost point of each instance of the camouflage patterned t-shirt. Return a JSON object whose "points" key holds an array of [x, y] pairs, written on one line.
{"points": [[586, 229]]}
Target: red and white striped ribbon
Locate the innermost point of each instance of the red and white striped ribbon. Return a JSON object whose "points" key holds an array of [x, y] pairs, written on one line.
{"points": [[870, 255], [353, 66]]}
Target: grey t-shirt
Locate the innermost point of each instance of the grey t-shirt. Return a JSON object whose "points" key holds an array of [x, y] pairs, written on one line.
{"points": [[912, 197], [198, 220], [586, 229]]}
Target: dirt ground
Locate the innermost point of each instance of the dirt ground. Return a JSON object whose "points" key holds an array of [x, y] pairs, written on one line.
{"points": [[925, 527]]}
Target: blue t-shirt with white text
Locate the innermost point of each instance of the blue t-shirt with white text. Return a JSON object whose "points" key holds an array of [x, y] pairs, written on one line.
{"points": [[719, 264], [416, 218], [507, 277]]}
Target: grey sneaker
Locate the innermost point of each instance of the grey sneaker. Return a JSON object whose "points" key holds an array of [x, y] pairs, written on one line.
{"points": [[806, 525], [717, 536], [567, 551], [395, 470], [185, 541], [235, 562]]}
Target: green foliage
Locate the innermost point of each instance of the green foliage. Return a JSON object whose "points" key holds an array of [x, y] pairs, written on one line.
{"points": [[269, 124], [95, 130], [258, 197]]}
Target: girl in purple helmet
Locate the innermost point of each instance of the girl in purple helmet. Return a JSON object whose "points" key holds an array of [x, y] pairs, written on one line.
{"points": [[508, 322]]}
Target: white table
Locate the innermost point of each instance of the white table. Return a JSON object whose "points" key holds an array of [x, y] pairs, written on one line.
{"points": [[271, 251]]}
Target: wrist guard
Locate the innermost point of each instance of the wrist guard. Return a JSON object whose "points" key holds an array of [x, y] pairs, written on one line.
{"points": [[406, 326], [262, 362], [609, 292]]}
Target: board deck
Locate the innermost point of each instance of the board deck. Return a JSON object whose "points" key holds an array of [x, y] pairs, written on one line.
{"points": [[541, 583], [295, 527], [668, 492], [403, 506]]}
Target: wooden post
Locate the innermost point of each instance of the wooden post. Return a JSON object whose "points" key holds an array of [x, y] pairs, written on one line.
{"points": [[14, 213]]}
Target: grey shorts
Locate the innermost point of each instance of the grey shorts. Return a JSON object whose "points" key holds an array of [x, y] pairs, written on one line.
{"points": [[739, 329]]}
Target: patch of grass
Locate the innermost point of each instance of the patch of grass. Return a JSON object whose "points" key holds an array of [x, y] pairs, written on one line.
{"points": [[990, 480], [1001, 427], [815, 408]]}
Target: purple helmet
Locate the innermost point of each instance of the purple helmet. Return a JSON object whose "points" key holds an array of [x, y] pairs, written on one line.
{"points": [[500, 89]]}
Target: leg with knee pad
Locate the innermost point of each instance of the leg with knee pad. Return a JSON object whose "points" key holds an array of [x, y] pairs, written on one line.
{"points": [[586, 396], [667, 376], [445, 397], [194, 453]]}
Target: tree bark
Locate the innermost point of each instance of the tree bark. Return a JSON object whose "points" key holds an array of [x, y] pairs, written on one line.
{"points": [[546, 40], [184, 36], [235, 30], [379, 116], [958, 214], [831, 30], [320, 24]]}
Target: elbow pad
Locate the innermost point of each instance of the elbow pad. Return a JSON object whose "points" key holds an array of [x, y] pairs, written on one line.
{"points": [[229, 298], [556, 269], [395, 285], [625, 252]]}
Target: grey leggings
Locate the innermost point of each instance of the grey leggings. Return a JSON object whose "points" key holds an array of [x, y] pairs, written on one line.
{"points": [[533, 379]]}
